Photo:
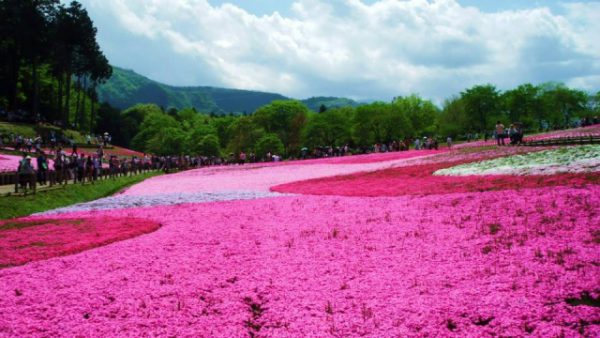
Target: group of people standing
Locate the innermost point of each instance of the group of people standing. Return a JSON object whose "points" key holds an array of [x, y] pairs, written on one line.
{"points": [[514, 133]]}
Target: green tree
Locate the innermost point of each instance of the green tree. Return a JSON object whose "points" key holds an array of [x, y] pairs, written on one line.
{"points": [[166, 141], [523, 104], [243, 135], [331, 127], [269, 143], [482, 104], [135, 120], [221, 124], [562, 103], [380, 122], [422, 114], [209, 146], [286, 119], [453, 120], [368, 123]]}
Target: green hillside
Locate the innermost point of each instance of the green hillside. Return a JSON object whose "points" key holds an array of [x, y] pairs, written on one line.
{"points": [[314, 103], [126, 88]]}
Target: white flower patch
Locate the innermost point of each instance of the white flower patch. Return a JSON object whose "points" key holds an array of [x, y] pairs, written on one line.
{"points": [[126, 201], [577, 159]]}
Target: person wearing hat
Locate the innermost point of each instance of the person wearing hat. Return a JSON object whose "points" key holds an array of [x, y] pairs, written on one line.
{"points": [[25, 171]]}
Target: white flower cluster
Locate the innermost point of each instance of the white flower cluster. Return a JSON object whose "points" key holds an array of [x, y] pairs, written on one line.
{"points": [[578, 159], [126, 201]]}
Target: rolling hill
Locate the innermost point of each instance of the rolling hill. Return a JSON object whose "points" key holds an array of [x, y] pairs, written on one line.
{"points": [[126, 88]]}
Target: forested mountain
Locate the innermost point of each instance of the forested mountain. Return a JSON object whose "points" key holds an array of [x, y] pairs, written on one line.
{"points": [[317, 103], [126, 88]]}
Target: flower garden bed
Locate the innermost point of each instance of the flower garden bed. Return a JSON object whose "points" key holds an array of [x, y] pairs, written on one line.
{"points": [[575, 159], [509, 263], [419, 180], [27, 240], [383, 249]]}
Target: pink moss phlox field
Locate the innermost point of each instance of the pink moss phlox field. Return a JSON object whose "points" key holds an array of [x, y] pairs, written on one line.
{"points": [[418, 179], [468, 264], [577, 132], [31, 239], [261, 177]]}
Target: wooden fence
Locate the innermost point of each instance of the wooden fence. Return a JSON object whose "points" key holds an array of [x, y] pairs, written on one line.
{"points": [[592, 139], [28, 183]]}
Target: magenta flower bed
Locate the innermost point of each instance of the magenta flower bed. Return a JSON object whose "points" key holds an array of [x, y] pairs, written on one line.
{"points": [[418, 180], [27, 240], [474, 264], [261, 177], [401, 254]]}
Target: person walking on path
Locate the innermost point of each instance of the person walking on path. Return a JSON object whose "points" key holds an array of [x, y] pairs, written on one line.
{"points": [[500, 133]]}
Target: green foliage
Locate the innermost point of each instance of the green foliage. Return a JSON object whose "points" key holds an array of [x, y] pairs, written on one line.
{"points": [[481, 105], [380, 122], [167, 141], [221, 125], [292, 125], [316, 104], [562, 103], [269, 143], [244, 133], [44, 130], [286, 119], [453, 119], [130, 123], [523, 104], [422, 114], [126, 88], [50, 61], [209, 146], [331, 127]]}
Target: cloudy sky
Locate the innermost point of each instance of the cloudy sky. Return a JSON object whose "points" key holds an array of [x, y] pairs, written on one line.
{"points": [[359, 49]]}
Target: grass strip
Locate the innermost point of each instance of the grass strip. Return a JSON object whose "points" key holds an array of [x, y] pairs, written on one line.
{"points": [[17, 206]]}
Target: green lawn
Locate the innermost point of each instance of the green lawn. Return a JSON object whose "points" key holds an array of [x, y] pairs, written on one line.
{"points": [[16, 206], [32, 130]]}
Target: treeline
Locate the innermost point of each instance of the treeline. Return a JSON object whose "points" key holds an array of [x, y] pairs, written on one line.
{"points": [[50, 63], [285, 127]]}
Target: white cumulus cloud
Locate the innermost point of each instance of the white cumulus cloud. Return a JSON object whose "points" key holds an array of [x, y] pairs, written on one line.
{"points": [[350, 48]]}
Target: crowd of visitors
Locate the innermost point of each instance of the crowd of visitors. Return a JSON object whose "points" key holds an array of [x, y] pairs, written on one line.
{"points": [[514, 133], [81, 167]]}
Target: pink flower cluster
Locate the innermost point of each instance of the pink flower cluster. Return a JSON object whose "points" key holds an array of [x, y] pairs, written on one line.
{"points": [[473, 264], [401, 253], [261, 177], [27, 240], [577, 132], [419, 180]]}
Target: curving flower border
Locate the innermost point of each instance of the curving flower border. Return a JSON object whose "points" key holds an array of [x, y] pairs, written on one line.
{"points": [[26, 240]]}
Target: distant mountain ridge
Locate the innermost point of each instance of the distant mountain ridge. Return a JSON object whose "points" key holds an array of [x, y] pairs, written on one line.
{"points": [[126, 88]]}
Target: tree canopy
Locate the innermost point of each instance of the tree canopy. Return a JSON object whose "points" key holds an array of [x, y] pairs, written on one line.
{"points": [[50, 61]]}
